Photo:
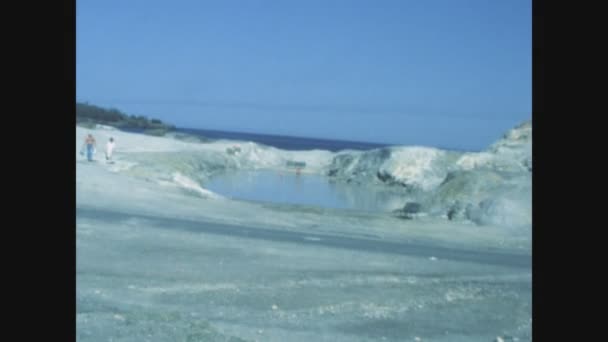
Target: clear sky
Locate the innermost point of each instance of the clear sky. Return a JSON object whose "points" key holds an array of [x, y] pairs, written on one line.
{"points": [[447, 73]]}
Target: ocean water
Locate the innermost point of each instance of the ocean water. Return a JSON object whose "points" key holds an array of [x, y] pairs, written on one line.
{"points": [[285, 142]]}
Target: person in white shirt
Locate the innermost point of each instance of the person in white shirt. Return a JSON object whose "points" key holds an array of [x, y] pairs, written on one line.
{"points": [[109, 150]]}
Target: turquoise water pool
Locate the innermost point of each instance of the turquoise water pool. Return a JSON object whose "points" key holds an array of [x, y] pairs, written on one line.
{"points": [[303, 189]]}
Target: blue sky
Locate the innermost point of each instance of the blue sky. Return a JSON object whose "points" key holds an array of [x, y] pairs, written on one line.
{"points": [[435, 72]]}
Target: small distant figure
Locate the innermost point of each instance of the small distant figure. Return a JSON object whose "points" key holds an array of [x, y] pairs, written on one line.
{"points": [[109, 149], [89, 145], [298, 171]]}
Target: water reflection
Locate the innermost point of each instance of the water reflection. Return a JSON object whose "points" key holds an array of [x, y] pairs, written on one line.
{"points": [[304, 189]]}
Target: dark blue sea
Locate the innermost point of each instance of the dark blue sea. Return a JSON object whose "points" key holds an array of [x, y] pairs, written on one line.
{"points": [[285, 142]]}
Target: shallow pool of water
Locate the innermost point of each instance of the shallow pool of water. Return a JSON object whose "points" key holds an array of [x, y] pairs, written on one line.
{"points": [[303, 189]]}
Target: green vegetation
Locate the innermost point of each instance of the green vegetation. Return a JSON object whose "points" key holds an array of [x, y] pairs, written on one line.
{"points": [[88, 116]]}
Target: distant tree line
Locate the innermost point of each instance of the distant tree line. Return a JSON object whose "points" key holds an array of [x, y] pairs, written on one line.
{"points": [[89, 115]]}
